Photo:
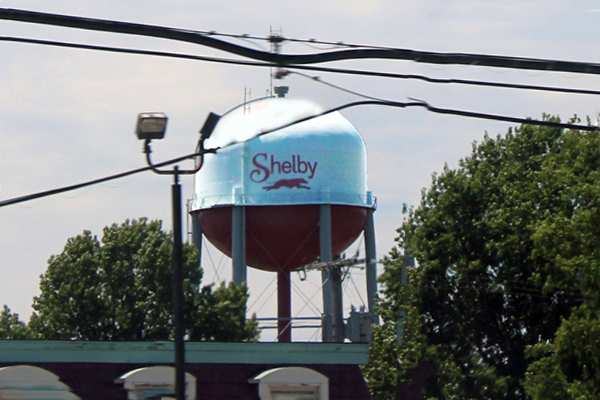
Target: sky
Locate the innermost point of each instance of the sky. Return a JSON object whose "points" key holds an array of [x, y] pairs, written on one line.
{"points": [[68, 116]]}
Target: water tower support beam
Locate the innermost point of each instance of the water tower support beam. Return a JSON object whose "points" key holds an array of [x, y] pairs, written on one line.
{"points": [[284, 307], [326, 256], [371, 264], [238, 244], [335, 276], [197, 236]]}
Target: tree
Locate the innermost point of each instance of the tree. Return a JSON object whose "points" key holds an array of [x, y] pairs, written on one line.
{"points": [[568, 367], [120, 288], [507, 251], [12, 328]]}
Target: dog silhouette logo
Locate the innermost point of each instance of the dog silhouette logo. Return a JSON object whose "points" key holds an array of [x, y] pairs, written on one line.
{"points": [[297, 183]]}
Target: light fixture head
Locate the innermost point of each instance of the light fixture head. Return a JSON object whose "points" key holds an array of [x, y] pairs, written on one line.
{"points": [[209, 125], [151, 125]]}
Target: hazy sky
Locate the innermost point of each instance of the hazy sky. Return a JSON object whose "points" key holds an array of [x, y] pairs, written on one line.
{"points": [[67, 116]]}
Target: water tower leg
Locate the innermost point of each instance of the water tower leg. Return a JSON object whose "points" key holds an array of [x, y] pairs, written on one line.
{"points": [[326, 256], [371, 263], [197, 236], [284, 307], [335, 276], [238, 244]]}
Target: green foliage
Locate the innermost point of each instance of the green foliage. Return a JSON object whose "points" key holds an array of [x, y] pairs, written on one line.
{"points": [[221, 315], [120, 288], [508, 257], [12, 328], [569, 368]]}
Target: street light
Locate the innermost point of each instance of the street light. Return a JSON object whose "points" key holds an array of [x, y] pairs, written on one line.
{"points": [[153, 126]]}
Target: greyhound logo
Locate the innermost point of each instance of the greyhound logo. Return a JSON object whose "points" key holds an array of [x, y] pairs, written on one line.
{"points": [[297, 183]]}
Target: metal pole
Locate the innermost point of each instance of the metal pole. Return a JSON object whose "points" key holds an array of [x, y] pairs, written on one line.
{"points": [[371, 263], [238, 244], [178, 290], [335, 276], [177, 267], [284, 307], [326, 256], [197, 235]]}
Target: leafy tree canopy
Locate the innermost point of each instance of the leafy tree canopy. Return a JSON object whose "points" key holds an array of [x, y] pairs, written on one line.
{"points": [[12, 328], [507, 283], [120, 288]]}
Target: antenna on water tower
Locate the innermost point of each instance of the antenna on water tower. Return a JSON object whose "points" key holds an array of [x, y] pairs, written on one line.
{"points": [[275, 38], [247, 98]]}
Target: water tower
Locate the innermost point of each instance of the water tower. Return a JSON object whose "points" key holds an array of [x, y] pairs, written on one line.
{"points": [[279, 201]]}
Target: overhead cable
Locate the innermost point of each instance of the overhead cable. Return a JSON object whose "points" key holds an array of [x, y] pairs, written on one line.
{"points": [[302, 67], [300, 59], [438, 110], [396, 104], [134, 51], [64, 189]]}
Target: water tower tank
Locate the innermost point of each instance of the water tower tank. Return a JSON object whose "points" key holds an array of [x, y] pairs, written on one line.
{"points": [[282, 178]]}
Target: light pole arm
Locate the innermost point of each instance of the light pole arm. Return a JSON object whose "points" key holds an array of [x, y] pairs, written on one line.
{"points": [[200, 152]]}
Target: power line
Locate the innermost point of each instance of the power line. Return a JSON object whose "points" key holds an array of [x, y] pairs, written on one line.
{"points": [[444, 81], [301, 59], [300, 67], [447, 111], [134, 51], [386, 103], [278, 38], [51, 192]]}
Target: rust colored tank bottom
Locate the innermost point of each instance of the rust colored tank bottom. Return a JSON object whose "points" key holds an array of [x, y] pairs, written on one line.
{"points": [[281, 239]]}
